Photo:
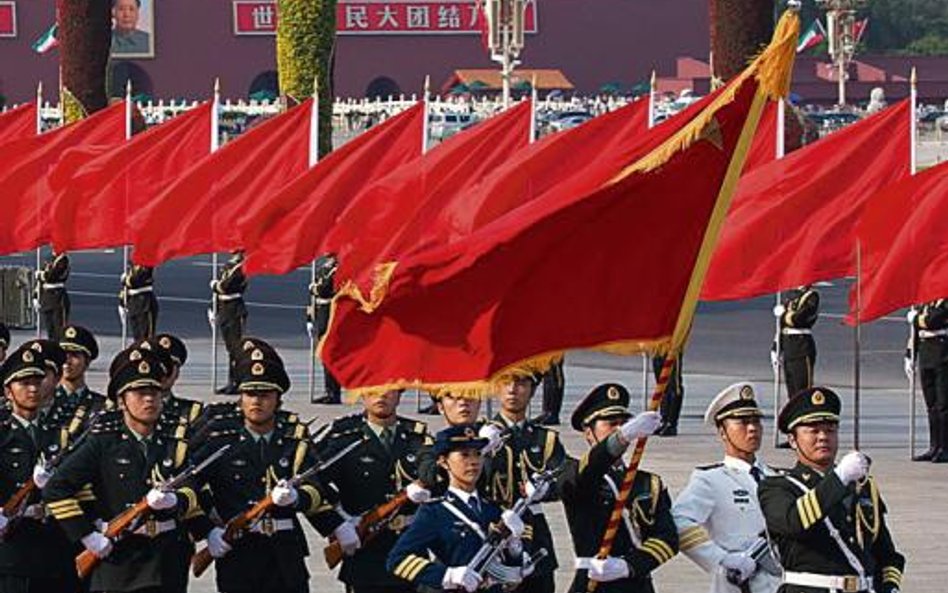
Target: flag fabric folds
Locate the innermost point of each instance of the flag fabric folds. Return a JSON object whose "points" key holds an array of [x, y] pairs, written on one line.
{"points": [[382, 217], [903, 236], [94, 197], [19, 122], [26, 164], [764, 148], [793, 220], [198, 212], [634, 248], [286, 231]]}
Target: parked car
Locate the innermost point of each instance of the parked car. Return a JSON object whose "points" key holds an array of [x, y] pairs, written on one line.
{"points": [[444, 125]]}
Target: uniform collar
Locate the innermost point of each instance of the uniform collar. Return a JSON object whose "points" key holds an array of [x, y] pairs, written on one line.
{"points": [[256, 436], [518, 425], [463, 496], [740, 464], [23, 422]]}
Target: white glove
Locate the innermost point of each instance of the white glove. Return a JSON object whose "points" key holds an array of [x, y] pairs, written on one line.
{"points": [[604, 570], [159, 500], [531, 491], [853, 467], [122, 313], [418, 493], [461, 577], [284, 495], [513, 522], [211, 318], [774, 359], [515, 546], [528, 567], [3, 523], [41, 475], [98, 544], [643, 425], [779, 310], [216, 544], [212, 284], [310, 329], [492, 433], [36, 305], [348, 538], [740, 563], [909, 365], [911, 315]]}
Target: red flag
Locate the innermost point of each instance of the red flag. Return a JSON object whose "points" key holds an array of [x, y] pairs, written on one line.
{"points": [[198, 212], [458, 316], [288, 229], [19, 122], [94, 200], [26, 164], [793, 220], [903, 236], [373, 223], [764, 148]]}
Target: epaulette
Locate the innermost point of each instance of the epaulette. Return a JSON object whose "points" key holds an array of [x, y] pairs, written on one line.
{"points": [[108, 425], [176, 430], [412, 425], [223, 433], [293, 430], [711, 466], [347, 421]]}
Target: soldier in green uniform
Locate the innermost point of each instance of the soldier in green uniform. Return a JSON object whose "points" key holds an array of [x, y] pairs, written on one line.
{"points": [[137, 300], [53, 298], [827, 519], [647, 536], [321, 292], [798, 314], [527, 448], [173, 351], [35, 557], [231, 317], [267, 450], [385, 463], [554, 389], [931, 327], [125, 461], [54, 358], [74, 404]]}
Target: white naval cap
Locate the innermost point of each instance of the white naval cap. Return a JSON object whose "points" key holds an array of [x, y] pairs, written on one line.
{"points": [[734, 401]]}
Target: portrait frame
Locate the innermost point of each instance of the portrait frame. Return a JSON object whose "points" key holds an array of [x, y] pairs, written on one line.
{"points": [[140, 44]]}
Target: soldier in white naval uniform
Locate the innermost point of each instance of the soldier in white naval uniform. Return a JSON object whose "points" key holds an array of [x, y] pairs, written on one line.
{"points": [[720, 524]]}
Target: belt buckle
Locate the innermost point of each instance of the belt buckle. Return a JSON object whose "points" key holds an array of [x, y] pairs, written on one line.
{"points": [[851, 584], [267, 526], [151, 527]]}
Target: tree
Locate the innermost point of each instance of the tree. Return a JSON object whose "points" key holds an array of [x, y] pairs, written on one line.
{"points": [[739, 30], [85, 40]]}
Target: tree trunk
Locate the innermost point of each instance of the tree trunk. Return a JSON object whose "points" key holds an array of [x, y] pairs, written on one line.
{"points": [[739, 30], [85, 40], [306, 35]]}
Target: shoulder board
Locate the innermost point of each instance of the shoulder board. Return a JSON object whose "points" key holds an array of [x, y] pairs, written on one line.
{"points": [[711, 466], [286, 416], [107, 428], [412, 425], [223, 433], [220, 407]]}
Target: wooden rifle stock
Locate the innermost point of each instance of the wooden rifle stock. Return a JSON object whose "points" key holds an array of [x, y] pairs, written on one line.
{"points": [[86, 561], [367, 527]]}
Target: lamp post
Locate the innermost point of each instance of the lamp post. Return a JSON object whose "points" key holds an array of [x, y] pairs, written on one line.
{"points": [[841, 34], [505, 26]]}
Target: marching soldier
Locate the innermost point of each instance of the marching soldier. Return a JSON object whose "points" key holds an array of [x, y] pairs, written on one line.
{"points": [[797, 315], [527, 449], [827, 519], [35, 557], [554, 388], [720, 524], [317, 320], [54, 358], [52, 295], [266, 451], [74, 404], [647, 537], [672, 399], [174, 354], [931, 327], [126, 461], [138, 304], [384, 464], [435, 551], [228, 292], [4, 341]]}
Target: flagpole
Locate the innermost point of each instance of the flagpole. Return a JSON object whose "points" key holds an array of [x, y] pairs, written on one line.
{"points": [[857, 344], [533, 110], [913, 169], [651, 101], [781, 151], [39, 250], [215, 144], [128, 136], [646, 358], [424, 149], [313, 158]]}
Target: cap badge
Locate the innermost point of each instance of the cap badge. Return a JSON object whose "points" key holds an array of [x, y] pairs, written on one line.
{"points": [[28, 356], [818, 398], [257, 354], [165, 342], [135, 355], [144, 368], [70, 332], [746, 392], [257, 370], [612, 393]]}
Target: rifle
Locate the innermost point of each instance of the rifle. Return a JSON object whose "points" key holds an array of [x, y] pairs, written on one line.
{"points": [[370, 525], [130, 517], [760, 553], [243, 522], [15, 507]]}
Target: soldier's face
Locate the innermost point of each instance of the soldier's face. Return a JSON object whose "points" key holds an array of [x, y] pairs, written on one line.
{"points": [[48, 386], [75, 367], [602, 428], [459, 410], [25, 395], [515, 395], [382, 406], [171, 378], [259, 407], [744, 434], [817, 443], [464, 468], [143, 404], [125, 13]]}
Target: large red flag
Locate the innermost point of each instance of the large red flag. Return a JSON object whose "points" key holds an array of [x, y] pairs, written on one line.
{"points": [[764, 148], [198, 212], [26, 164], [903, 237], [94, 200], [793, 220], [458, 316], [287, 230], [373, 223], [19, 122]]}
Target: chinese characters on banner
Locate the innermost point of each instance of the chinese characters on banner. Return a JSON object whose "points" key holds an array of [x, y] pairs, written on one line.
{"points": [[7, 19], [385, 17]]}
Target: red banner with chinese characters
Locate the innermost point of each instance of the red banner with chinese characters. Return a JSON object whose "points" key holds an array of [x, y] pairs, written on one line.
{"points": [[7, 19], [381, 17]]}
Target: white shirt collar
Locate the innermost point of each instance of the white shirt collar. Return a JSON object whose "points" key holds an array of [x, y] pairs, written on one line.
{"points": [[464, 496], [23, 421], [740, 464]]}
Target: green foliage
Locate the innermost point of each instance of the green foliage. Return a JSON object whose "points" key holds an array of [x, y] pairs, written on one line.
{"points": [[898, 26]]}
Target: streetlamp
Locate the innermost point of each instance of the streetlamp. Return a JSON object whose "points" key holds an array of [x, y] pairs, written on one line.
{"points": [[505, 25], [841, 34]]}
